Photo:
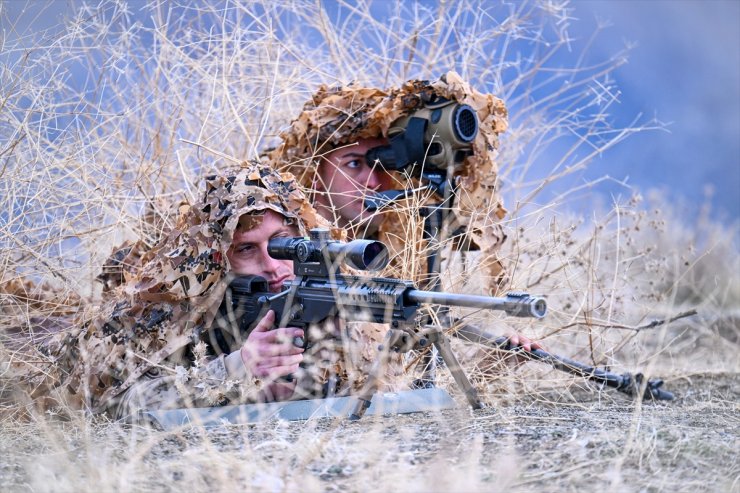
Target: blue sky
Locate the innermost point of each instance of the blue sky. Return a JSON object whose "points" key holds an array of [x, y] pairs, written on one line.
{"points": [[684, 70]]}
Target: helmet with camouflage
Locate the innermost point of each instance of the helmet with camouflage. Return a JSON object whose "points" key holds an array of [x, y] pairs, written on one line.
{"points": [[339, 116]]}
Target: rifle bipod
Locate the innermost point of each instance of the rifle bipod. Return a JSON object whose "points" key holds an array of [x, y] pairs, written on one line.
{"points": [[401, 341]]}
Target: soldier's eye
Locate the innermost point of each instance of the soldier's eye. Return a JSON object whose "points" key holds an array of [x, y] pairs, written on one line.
{"points": [[354, 164], [244, 248]]}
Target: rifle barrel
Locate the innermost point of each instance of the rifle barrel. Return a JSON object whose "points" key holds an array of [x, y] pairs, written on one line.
{"points": [[514, 304]]}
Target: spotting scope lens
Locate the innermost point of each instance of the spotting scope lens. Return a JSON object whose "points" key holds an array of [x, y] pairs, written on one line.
{"points": [[465, 123]]}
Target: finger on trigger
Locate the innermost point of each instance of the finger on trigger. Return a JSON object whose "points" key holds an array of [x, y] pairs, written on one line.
{"points": [[266, 323]]}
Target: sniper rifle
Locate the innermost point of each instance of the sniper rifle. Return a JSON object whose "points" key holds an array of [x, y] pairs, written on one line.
{"points": [[320, 292]]}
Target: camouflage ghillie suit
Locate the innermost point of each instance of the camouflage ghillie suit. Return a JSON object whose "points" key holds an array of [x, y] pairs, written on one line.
{"points": [[335, 117], [150, 346]]}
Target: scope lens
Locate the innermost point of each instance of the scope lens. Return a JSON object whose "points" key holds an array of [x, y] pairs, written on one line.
{"points": [[466, 123], [364, 254], [373, 255]]}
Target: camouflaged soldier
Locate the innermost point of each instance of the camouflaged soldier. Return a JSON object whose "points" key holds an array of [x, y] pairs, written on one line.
{"points": [[153, 346], [330, 148], [326, 149]]}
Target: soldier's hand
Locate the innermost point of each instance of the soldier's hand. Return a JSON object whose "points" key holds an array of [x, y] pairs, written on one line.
{"points": [[522, 341], [271, 354], [525, 343]]}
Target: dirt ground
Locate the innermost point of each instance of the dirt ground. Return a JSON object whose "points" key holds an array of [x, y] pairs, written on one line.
{"points": [[591, 441]]}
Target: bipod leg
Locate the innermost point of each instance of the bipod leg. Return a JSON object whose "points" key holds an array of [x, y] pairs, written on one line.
{"points": [[448, 356], [429, 371], [434, 217], [364, 398]]}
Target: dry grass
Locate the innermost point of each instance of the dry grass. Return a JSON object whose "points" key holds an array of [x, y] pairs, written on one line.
{"points": [[125, 103], [595, 444]]}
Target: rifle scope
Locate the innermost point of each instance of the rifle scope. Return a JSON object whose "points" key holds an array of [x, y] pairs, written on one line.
{"points": [[358, 254]]}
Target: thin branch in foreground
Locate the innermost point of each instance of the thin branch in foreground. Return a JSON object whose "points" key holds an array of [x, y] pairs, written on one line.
{"points": [[636, 328]]}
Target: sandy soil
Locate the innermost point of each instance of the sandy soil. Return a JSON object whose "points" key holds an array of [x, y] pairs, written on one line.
{"points": [[597, 441]]}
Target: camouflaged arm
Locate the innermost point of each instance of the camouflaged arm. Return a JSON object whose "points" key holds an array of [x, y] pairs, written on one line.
{"points": [[222, 380], [199, 386]]}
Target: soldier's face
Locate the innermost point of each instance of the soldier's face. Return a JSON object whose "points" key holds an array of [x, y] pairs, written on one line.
{"points": [[345, 178], [248, 253]]}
